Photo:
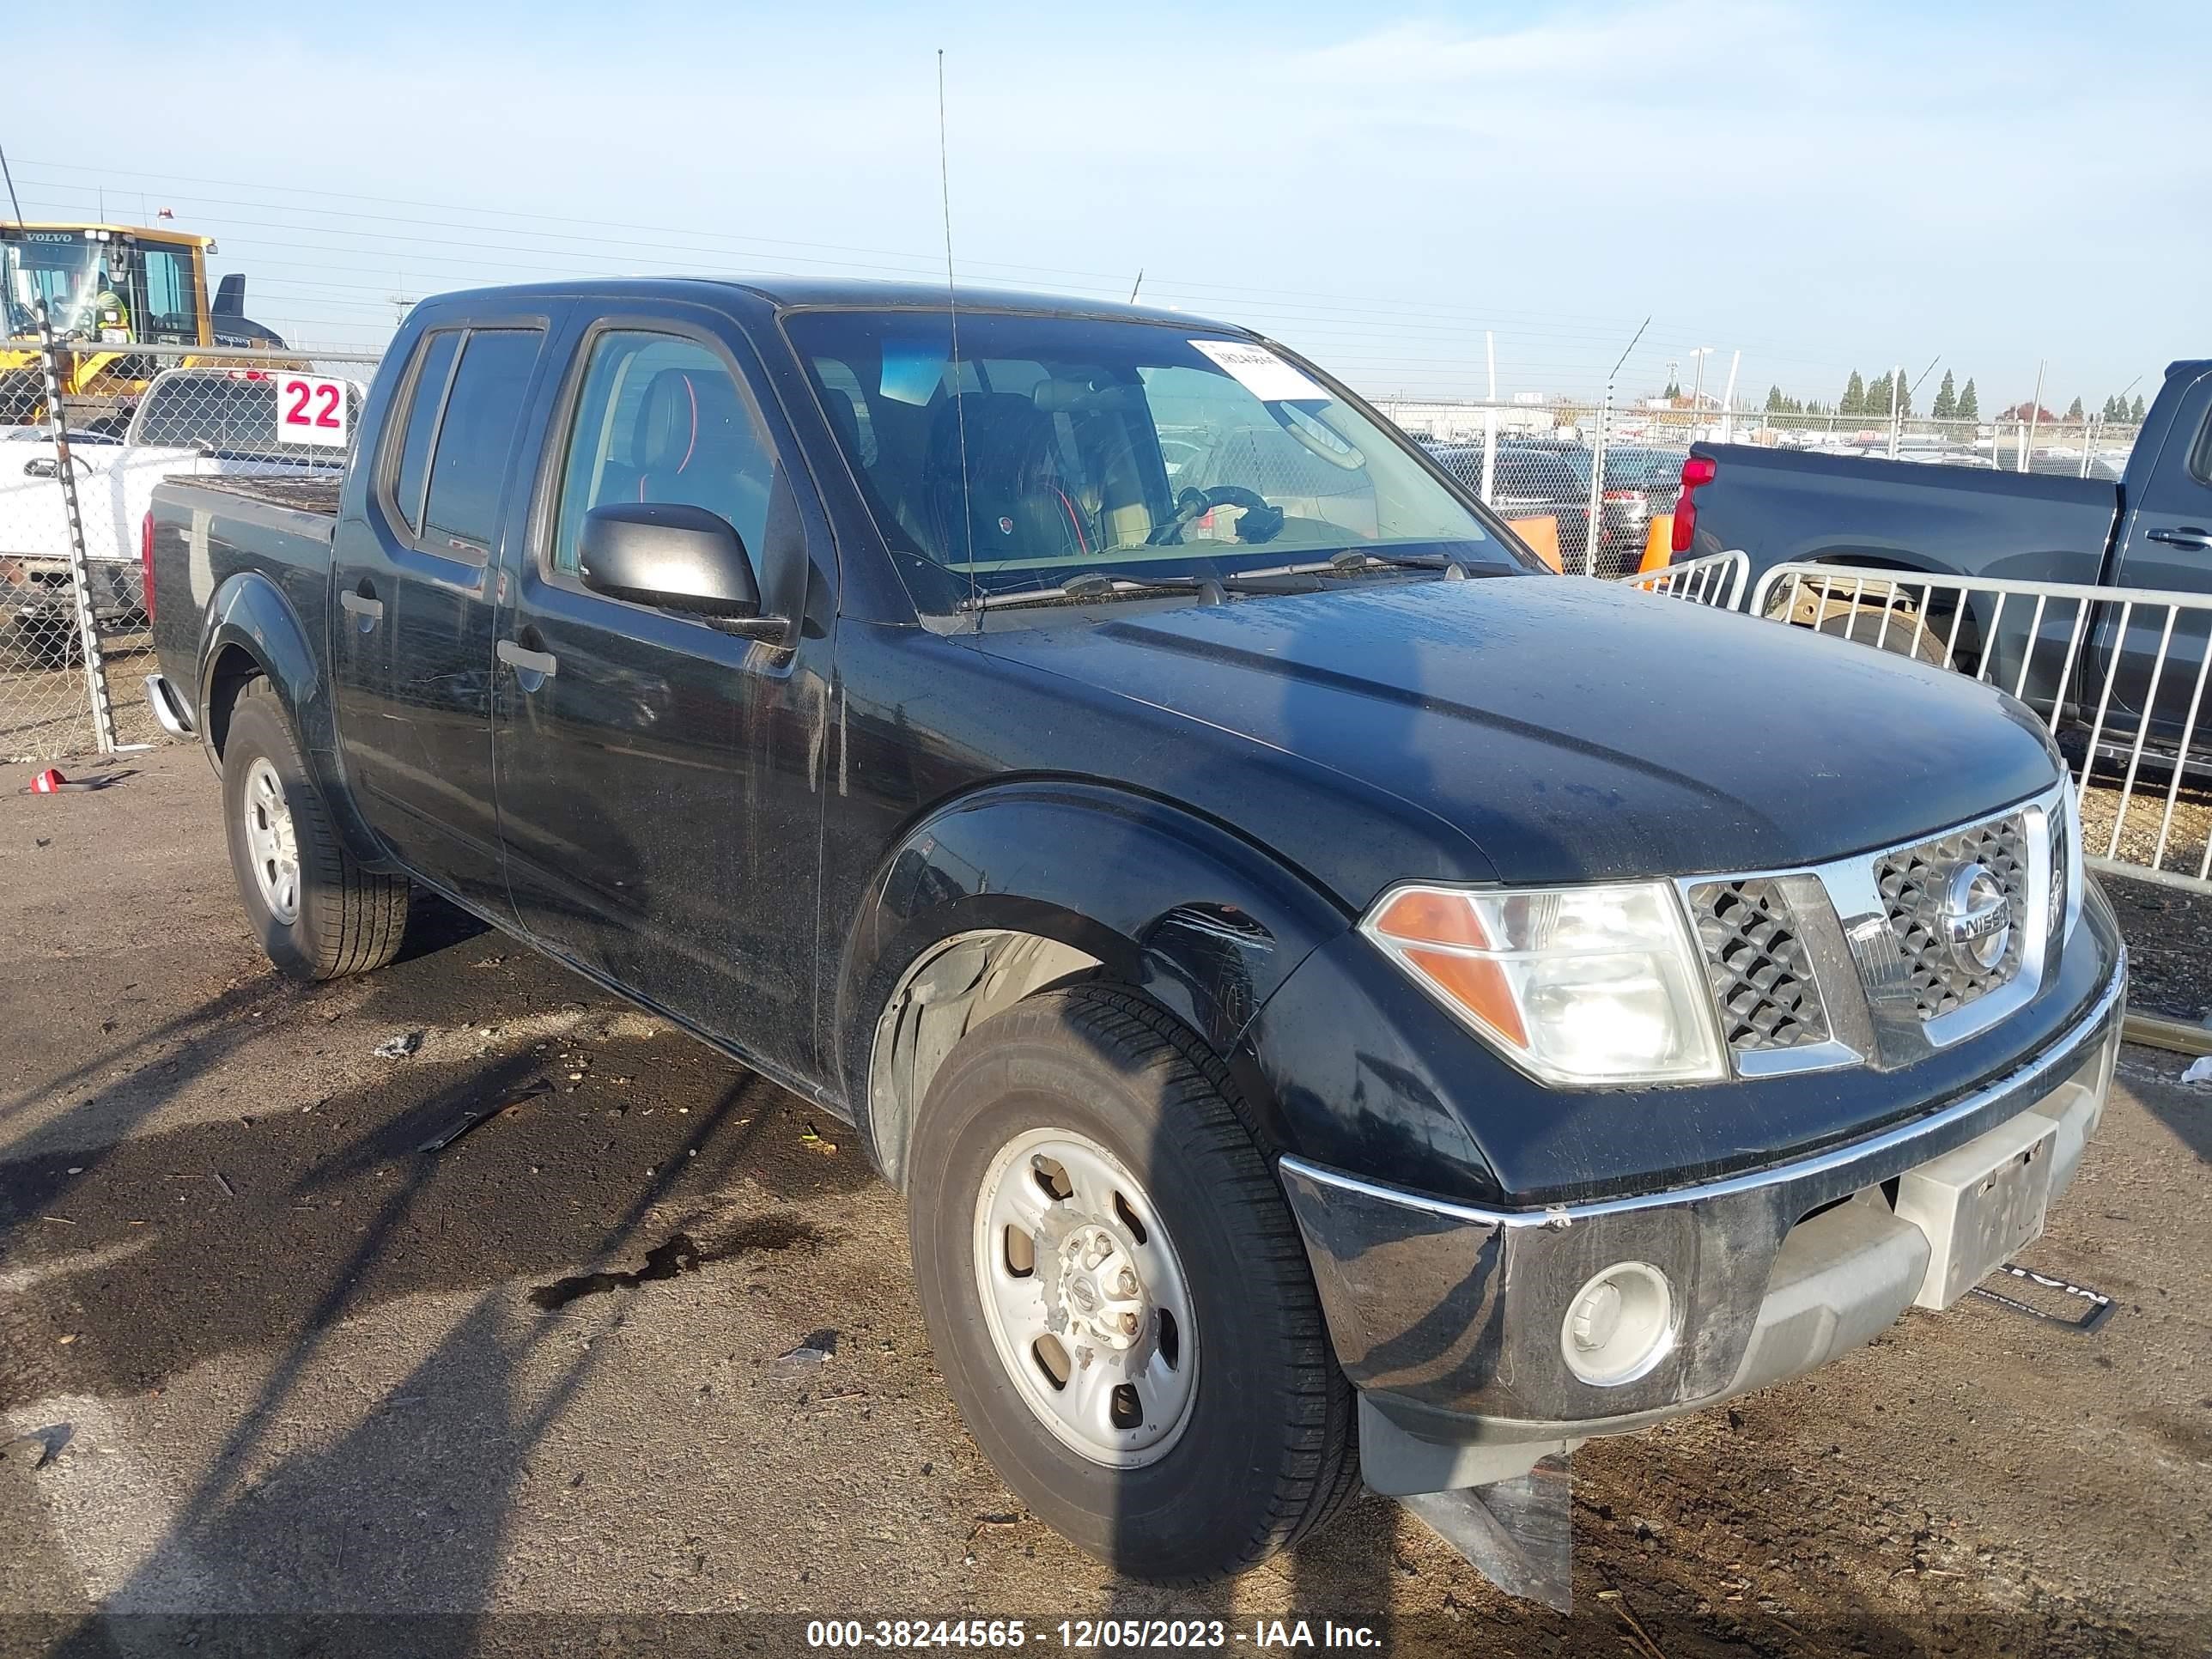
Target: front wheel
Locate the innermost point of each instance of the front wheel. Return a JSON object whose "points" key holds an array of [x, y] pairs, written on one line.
{"points": [[1117, 1294], [317, 913]]}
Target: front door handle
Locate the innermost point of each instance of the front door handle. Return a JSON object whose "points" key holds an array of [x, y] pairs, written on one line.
{"points": [[362, 605], [523, 661], [2185, 535]]}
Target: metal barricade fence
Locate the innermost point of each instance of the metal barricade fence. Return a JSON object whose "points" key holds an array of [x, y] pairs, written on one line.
{"points": [[2118, 674], [1715, 579], [71, 508]]}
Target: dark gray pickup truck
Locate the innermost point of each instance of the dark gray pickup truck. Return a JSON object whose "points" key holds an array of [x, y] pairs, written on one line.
{"points": [[1339, 1000], [2150, 530]]}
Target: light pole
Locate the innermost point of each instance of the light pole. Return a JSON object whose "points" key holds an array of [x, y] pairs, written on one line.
{"points": [[1697, 386]]}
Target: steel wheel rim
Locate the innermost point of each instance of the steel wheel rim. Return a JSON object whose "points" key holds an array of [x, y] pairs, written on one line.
{"points": [[271, 844], [1110, 1372]]}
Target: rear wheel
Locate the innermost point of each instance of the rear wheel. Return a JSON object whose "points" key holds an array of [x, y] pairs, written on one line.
{"points": [[1117, 1294], [319, 913], [1890, 624]]}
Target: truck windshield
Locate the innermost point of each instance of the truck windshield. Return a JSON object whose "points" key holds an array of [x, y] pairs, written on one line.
{"points": [[60, 267], [1058, 447]]}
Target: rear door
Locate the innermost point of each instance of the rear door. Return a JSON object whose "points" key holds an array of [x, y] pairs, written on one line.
{"points": [[2167, 544], [411, 647], [661, 778]]}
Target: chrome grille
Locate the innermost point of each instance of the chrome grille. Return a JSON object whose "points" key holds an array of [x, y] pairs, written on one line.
{"points": [[1755, 960], [1913, 883]]}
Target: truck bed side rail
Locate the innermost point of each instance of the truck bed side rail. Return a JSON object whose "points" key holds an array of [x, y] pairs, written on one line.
{"points": [[2118, 674]]}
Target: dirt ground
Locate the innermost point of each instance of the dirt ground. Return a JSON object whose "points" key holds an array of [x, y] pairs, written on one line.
{"points": [[46, 712], [644, 1346]]}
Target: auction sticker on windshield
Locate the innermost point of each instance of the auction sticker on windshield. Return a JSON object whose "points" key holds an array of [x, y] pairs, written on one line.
{"points": [[311, 409], [1260, 372]]}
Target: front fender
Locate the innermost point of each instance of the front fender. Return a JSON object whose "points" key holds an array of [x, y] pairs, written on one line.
{"points": [[1201, 919]]}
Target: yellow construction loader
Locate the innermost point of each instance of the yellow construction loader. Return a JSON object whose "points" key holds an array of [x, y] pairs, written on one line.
{"points": [[106, 289]]}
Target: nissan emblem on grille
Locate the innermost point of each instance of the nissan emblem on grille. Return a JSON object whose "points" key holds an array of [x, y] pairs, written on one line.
{"points": [[1976, 923], [1957, 907]]}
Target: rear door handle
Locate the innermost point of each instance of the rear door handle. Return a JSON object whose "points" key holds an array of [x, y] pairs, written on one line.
{"points": [[361, 604], [526, 661], [2185, 535]]}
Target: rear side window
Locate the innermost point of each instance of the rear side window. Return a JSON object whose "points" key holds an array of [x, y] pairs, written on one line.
{"points": [[474, 435], [190, 409], [426, 395]]}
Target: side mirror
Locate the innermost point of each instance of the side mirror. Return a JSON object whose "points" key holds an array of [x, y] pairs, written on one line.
{"points": [[668, 554]]}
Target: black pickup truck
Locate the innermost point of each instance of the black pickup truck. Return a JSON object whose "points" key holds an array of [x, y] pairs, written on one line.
{"points": [[1338, 999]]}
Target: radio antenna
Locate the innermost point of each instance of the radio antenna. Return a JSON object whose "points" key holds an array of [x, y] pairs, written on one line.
{"points": [[10, 177], [953, 306]]}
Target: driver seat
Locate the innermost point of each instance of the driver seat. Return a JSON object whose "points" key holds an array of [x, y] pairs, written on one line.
{"points": [[1010, 500]]}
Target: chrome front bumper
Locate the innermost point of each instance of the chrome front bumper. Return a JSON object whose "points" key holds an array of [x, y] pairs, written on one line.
{"points": [[1449, 1317]]}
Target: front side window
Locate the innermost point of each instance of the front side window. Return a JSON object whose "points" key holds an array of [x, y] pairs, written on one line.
{"points": [[172, 305], [660, 419], [460, 513], [1057, 446]]}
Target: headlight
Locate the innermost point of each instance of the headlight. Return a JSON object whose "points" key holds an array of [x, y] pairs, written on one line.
{"points": [[1587, 986]]}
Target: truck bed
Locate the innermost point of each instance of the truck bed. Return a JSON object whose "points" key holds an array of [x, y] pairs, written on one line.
{"points": [[1779, 505], [316, 494], [216, 536]]}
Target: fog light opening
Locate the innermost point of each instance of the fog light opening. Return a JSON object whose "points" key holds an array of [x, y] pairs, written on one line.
{"points": [[1618, 1325]]}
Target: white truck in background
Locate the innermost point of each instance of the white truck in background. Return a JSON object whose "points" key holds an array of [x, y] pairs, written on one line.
{"points": [[195, 422]]}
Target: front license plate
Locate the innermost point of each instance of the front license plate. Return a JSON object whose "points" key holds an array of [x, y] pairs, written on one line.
{"points": [[1979, 1204]]}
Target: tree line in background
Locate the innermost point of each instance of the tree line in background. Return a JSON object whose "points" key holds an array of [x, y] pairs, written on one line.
{"points": [[1870, 398]]}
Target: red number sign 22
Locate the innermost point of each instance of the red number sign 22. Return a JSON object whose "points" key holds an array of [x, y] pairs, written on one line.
{"points": [[303, 395]]}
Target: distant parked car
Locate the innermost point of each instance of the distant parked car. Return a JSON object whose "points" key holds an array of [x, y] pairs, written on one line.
{"points": [[1639, 481], [1533, 478]]}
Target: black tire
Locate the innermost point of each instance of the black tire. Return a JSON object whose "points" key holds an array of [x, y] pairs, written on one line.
{"points": [[350, 920], [1268, 1450]]}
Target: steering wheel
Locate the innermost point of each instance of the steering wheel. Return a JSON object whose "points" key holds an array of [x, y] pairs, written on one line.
{"points": [[1261, 522]]}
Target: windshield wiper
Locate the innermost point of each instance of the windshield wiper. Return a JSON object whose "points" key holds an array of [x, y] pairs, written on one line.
{"points": [[1095, 585], [1353, 561]]}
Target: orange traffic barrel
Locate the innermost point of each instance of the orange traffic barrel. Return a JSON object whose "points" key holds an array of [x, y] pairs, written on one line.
{"points": [[1542, 535]]}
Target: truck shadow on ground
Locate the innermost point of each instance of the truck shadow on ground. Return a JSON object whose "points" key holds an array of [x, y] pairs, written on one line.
{"points": [[141, 1255]]}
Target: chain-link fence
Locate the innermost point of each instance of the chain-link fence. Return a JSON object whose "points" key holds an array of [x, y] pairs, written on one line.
{"points": [[78, 463]]}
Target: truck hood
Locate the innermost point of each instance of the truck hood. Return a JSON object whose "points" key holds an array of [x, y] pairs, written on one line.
{"points": [[1568, 730]]}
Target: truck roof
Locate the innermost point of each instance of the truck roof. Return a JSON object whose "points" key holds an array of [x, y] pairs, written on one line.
{"points": [[149, 232], [843, 293]]}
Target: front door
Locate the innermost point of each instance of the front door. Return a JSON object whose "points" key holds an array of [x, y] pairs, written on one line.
{"points": [[2168, 546], [412, 639], [659, 776]]}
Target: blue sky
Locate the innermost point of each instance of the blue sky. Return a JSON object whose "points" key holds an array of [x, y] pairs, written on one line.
{"points": [[1820, 186]]}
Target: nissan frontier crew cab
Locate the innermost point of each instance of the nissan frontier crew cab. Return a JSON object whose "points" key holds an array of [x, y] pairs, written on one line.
{"points": [[1339, 1000]]}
